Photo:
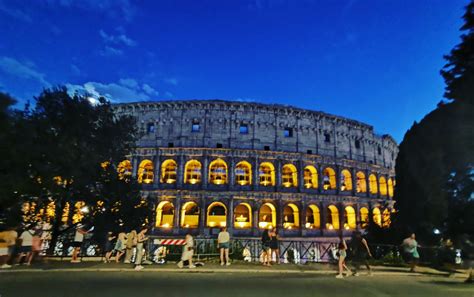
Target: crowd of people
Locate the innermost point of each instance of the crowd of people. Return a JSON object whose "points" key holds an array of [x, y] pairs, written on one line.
{"points": [[130, 248]]}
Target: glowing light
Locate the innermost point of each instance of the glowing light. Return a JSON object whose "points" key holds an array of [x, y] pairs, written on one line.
{"points": [[222, 224], [166, 225], [263, 225], [308, 225], [84, 209], [330, 226], [241, 218]]}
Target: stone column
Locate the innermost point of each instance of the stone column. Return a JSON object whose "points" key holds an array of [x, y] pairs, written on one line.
{"points": [[342, 219], [255, 177], [303, 216], [202, 215], [205, 171], [135, 164], [156, 171], [180, 171], [230, 216], [255, 228], [177, 214], [300, 168], [323, 219], [231, 168], [354, 181], [278, 167]]}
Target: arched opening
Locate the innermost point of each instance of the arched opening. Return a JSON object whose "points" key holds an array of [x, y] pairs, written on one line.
{"points": [[243, 173], [346, 180], [361, 182], [291, 216], [164, 214], [190, 215], [216, 215], [313, 217], [377, 216], [192, 171], [332, 218], [350, 218], [386, 220], [218, 172], [267, 216], [310, 177], [329, 179], [124, 170], [390, 187], [169, 171], [289, 176], [266, 173], [364, 217], [373, 184], [145, 172], [383, 186], [243, 216]]}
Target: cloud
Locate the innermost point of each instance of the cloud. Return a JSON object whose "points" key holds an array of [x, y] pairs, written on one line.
{"points": [[125, 90], [109, 51], [172, 81], [24, 70], [117, 39], [122, 9], [75, 70], [169, 94], [15, 13]]}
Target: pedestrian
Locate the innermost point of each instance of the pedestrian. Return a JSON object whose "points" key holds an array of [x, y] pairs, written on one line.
{"points": [[360, 252], [188, 252], [37, 243], [119, 248], [77, 244], [223, 243], [10, 237], [130, 245], [274, 246], [410, 251], [266, 247], [141, 238], [26, 249], [108, 246], [342, 251]]}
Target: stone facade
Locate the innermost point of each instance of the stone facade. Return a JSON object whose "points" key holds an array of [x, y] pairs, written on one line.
{"points": [[207, 130]]}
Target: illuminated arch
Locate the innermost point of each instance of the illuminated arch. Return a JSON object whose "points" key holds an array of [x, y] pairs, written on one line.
{"points": [[383, 186], [164, 214], [189, 215], [289, 176], [364, 217], [145, 172], [267, 216], [243, 173], [169, 171], [377, 216], [332, 218], [361, 186], [216, 215], [329, 179], [373, 184], [192, 173], [346, 180], [313, 217], [350, 218], [218, 172], [291, 216], [243, 216], [266, 173], [386, 219], [124, 170], [390, 187], [310, 177]]}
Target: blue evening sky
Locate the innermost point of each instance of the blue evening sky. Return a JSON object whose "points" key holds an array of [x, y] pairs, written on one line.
{"points": [[376, 61]]}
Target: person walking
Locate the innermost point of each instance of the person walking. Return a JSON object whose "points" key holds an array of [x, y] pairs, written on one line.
{"points": [[188, 252], [274, 246], [10, 237], [26, 248], [342, 251], [360, 253], [130, 245], [119, 248], [223, 243], [266, 247], [141, 238], [108, 246], [410, 250], [77, 244]]}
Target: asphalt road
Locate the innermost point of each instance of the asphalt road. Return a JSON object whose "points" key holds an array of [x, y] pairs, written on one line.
{"points": [[142, 284]]}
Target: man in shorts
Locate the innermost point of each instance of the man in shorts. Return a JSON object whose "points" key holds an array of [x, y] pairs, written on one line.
{"points": [[77, 244], [26, 249], [223, 243]]}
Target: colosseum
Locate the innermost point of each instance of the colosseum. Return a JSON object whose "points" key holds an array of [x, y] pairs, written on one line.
{"points": [[204, 164]]}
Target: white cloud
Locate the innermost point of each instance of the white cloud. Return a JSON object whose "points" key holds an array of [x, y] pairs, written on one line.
{"points": [[169, 94], [126, 90], [123, 9], [149, 90], [109, 51], [15, 13], [24, 70], [171, 80], [75, 70], [117, 39]]}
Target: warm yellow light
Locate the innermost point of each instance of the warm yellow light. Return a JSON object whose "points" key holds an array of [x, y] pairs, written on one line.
{"points": [[193, 181], [241, 224], [308, 225], [241, 218], [222, 224], [263, 225], [346, 226], [287, 184], [170, 181], [147, 180], [167, 225], [326, 187], [186, 226], [212, 224], [329, 226]]}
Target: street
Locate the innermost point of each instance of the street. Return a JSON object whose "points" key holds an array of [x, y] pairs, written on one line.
{"points": [[76, 283]]}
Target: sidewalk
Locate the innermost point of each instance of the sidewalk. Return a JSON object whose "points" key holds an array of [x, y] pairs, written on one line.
{"points": [[236, 267]]}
